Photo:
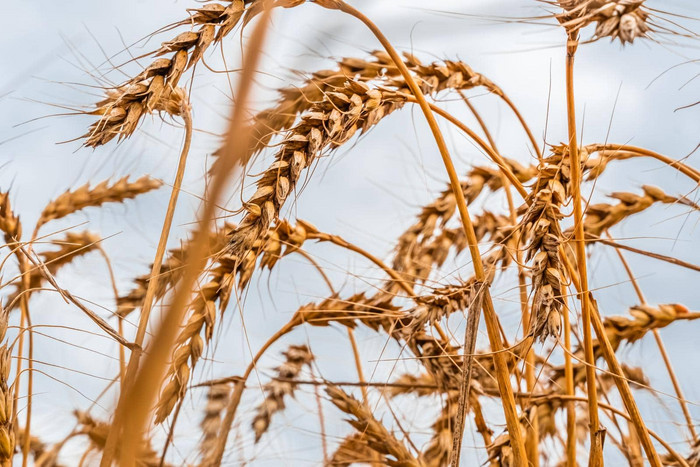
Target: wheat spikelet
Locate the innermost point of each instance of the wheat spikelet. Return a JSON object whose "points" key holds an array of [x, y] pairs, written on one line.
{"points": [[170, 273], [331, 122], [297, 356], [120, 112], [374, 312], [625, 20], [412, 251], [156, 89], [620, 330], [75, 200], [540, 224], [421, 385], [378, 437], [693, 458], [440, 358], [437, 453], [451, 298], [644, 318], [500, 450], [9, 223], [445, 301]]}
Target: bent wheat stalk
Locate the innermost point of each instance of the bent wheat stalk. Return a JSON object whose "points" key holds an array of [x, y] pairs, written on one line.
{"points": [[490, 315], [140, 396]]}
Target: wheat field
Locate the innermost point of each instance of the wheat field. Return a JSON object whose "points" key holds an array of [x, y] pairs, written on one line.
{"points": [[289, 232]]}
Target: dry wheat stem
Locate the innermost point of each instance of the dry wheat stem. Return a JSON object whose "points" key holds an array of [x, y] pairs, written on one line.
{"points": [[140, 398], [597, 436], [668, 259], [24, 304], [134, 358], [620, 150], [610, 358], [536, 398], [570, 390], [491, 321]]}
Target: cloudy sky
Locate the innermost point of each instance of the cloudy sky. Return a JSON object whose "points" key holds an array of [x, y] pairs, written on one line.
{"points": [[61, 53]]}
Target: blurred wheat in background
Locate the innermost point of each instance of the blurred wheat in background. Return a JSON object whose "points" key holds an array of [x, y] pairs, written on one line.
{"points": [[279, 232]]}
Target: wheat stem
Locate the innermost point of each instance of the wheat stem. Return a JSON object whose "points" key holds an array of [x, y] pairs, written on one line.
{"points": [[24, 304], [615, 368], [570, 390], [596, 448], [515, 110], [676, 164], [140, 395], [493, 155], [135, 357], [502, 372], [120, 326], [612, 409]]}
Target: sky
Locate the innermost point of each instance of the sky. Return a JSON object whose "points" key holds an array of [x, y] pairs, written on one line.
{"points": [[60, 55]]}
